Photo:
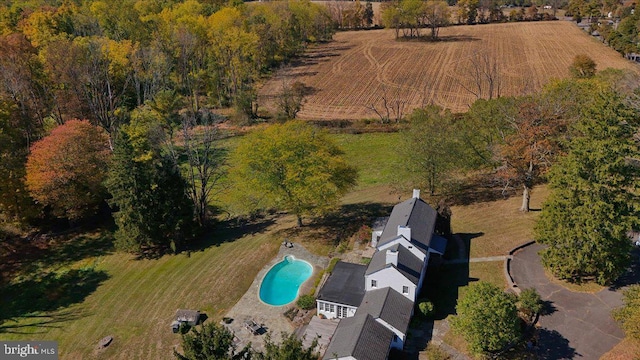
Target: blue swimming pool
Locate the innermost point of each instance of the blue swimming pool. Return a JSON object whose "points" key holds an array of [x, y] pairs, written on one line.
{"points": [[280, 285]]}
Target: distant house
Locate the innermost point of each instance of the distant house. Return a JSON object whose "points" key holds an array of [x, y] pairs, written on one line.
{"points": [[360, 337], [342, 292], [387, 288]]}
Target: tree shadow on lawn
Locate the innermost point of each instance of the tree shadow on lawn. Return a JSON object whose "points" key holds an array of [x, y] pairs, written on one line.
{"points": [[229, 231], [31, 254], [341, 224], [38, 324], [443, 287], [46, 293]]}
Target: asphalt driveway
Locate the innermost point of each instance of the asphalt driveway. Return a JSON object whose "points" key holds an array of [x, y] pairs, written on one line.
{"points": [[577, 325]]}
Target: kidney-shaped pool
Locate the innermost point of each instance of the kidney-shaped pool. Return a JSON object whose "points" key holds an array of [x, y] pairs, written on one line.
{"points": [[281, 284]]}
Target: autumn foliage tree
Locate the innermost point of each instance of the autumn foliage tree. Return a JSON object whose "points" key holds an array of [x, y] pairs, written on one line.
{"points": [[530, 149], [65, 170]]}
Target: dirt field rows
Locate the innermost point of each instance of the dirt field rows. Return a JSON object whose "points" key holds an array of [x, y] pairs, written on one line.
{"points": [[351, 75]]}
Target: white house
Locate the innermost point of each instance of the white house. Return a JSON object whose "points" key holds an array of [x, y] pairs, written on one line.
{"points": [[375, 303]]}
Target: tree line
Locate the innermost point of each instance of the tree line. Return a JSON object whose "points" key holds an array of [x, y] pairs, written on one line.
{"points": [[412, 15], [143, 75]]}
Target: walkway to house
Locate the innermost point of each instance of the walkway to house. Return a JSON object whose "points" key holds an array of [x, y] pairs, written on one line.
{"points": [[577, 324], [271, 318]]}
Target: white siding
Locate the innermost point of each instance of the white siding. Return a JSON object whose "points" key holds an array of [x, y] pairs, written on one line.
{"points": [[330, 310], [391, 277]]}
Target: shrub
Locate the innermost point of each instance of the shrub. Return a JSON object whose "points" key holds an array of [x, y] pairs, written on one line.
{"points": [[306, 302], [487, 318], [426, 308]]}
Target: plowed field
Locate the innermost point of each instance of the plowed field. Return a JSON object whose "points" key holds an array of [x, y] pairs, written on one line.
{"points": [[359, 68]]}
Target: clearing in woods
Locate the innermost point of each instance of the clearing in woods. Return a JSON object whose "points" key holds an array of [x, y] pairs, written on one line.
{"points": [[352, 74]]}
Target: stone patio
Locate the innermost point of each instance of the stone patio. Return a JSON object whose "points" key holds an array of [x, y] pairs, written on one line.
{"points": [[271, 318]]}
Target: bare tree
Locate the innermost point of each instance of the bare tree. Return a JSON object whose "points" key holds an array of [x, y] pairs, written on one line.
{"points": [[392, 107], [291, 98], [484, 71], [206, 164]]}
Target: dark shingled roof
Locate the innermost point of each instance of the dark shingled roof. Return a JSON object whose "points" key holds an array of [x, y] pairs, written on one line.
{"points": [[360, 336], [388, 305], [408, 264], [345, 285], [417, 215]]}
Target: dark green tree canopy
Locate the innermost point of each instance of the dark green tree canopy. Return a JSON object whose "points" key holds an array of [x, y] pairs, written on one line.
{"points": [[594, 196], [148, 195], [292, 166], [487, 318]]}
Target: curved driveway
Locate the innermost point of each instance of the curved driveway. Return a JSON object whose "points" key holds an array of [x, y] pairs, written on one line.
{"points": [[577, 325]]}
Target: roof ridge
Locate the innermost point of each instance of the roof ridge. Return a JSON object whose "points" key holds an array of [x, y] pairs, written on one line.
{"points": [[361, 332]]}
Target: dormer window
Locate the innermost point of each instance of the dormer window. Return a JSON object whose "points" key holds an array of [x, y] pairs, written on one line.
{"points": [[374, 284]]}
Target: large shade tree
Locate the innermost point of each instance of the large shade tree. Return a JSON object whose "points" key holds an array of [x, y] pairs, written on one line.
{"points": [[65, 170], [292, 166], [594, 198]]}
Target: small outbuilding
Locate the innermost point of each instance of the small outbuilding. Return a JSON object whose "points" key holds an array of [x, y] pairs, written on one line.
{"points": [[189, 317]]}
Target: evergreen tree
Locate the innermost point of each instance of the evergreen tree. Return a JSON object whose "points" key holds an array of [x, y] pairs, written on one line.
{"points": [[149, 194], [594, 199]]}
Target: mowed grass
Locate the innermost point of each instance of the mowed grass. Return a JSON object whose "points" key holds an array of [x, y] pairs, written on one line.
{"points": [[138, 301], [375, 155], [495, 227]]}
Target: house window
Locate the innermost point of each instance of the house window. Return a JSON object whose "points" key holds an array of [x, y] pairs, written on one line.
{"points": [[374, 283], [342, 312], [321, 306], [405, 290], [330, 308]]}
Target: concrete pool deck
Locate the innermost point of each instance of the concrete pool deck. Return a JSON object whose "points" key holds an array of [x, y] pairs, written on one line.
{"points": [[250, 307]]}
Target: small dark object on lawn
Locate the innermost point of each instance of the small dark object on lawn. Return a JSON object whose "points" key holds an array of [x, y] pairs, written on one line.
{"points": [[105, 341]]}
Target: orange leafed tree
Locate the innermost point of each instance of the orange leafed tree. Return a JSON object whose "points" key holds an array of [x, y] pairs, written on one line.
{"points": [[65, 170], [531, 148]]}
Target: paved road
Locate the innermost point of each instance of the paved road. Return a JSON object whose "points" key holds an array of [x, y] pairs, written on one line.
{"points": [[579, 325]]}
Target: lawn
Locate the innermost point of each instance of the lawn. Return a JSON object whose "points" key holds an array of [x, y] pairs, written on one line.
{"points": [[135, 300], [495, 227]]}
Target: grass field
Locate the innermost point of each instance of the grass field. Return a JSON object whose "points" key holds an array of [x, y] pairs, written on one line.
{"points": [[359, 68]]}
